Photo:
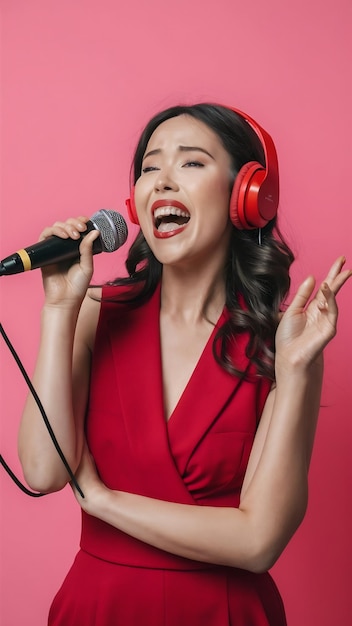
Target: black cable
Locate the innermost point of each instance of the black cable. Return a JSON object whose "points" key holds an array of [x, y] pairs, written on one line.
{"points": [[46, 422]]}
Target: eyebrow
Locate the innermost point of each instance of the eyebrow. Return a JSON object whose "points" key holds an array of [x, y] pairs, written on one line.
{"points": [[181, 149]]}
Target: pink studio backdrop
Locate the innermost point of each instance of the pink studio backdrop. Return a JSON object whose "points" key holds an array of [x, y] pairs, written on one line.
{"points": [[79, 80]]}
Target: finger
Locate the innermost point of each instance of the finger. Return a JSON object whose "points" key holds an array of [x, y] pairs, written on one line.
{"points": [[76, 225], [57, 229], [303, 294], [86, 244], [340, 280], [72, 227], [335, 269], [336, 278], [86, 251], [326, 301]]}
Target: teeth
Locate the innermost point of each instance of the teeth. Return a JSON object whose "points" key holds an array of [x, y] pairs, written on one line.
{"points": [[169, 210]]}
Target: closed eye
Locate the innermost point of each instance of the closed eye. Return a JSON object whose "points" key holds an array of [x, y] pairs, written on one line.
{"points": [[193, 164], [150, 168]]}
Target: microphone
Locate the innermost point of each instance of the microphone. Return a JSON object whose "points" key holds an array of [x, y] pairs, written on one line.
{"points": [[113, 234]]}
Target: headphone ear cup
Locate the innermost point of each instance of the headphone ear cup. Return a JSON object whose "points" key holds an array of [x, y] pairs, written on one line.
{"points": [[131, 208], [244, 210]]}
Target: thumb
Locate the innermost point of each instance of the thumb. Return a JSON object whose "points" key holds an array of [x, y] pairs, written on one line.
{"points": [[87, 241]]}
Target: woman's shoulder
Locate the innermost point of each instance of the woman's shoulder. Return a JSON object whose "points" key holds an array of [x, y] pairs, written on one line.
{"points": [[101, 304], [102, 299]]}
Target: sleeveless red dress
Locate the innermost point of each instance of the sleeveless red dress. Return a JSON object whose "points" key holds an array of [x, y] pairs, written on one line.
{"points": [[198, 457]]}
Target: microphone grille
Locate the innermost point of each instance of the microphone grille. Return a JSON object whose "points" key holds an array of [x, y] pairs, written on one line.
{"points": [[112, 227]]}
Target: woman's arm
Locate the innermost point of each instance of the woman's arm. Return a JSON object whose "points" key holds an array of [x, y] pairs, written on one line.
{"points": [[250, 537], [62, 369], [274, 497]]}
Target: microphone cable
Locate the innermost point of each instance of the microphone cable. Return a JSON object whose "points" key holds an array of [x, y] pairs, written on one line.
{"points": [[27, 491]]}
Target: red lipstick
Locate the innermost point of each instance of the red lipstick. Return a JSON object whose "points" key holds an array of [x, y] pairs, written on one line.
{"points": [[159, 203], [166, 234]]}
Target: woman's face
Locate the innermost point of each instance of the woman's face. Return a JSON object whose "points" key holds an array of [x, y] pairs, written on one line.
{"points": [[182, 195]]}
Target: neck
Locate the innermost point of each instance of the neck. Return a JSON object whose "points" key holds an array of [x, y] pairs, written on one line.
{"points": [[192, 296]]}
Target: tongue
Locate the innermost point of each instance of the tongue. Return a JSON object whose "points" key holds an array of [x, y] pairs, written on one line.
{"points": [[166, 227]]}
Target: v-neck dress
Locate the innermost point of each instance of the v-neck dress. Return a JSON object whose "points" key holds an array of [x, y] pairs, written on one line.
{"points": [[199, 456]]}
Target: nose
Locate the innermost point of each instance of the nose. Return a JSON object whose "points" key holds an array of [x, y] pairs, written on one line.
{"points": [[165, 182]]}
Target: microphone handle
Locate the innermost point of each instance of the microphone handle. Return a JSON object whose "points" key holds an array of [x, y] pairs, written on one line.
{"points": [[47, 252]]}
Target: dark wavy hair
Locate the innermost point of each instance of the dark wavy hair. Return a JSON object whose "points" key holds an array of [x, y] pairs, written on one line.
{"points": [[256, 276]]}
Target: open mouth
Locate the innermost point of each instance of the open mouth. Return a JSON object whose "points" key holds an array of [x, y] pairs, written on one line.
{"points": [[169, 218]]}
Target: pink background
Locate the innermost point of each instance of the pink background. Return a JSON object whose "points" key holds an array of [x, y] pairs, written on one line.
{"points": [[79, 80]]}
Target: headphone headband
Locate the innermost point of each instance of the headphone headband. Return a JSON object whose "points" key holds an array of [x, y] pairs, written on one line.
{"points": [[255, 195]]}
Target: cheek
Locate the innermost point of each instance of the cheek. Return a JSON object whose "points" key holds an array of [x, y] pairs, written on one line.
{"points": [[217, 198]]}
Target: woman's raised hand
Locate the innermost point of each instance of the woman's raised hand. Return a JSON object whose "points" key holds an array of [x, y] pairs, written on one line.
{"points": [[64, 284], [308, 325]]}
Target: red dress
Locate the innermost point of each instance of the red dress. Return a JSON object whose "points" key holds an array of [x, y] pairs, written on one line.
{"points": [[198, 457]]}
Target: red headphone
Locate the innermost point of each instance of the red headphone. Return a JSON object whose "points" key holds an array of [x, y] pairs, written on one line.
{"points": [[255, 195]]}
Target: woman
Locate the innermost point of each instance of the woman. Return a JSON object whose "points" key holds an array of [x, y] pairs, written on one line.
{"points": [[186, 407]]}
